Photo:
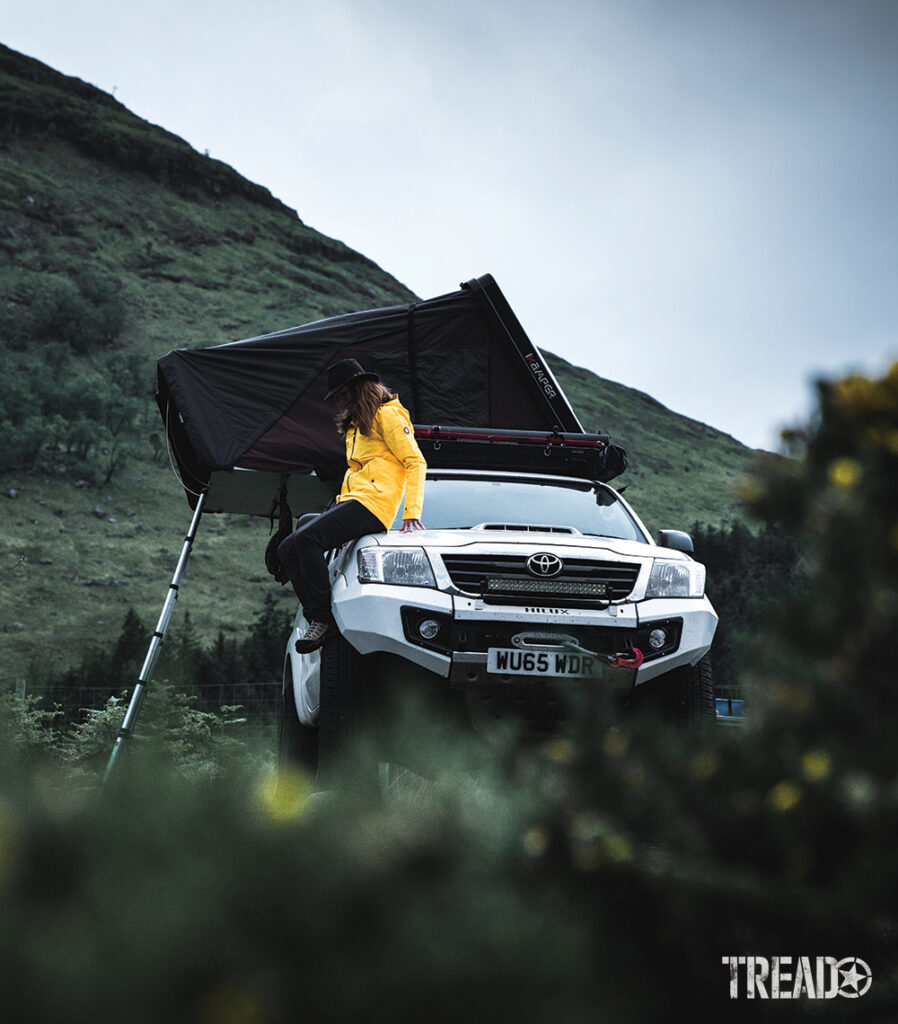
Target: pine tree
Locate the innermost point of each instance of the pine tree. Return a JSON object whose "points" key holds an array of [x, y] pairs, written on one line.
{"points": [[263, 652], [746, 572], [132, 641], [180, 660]]}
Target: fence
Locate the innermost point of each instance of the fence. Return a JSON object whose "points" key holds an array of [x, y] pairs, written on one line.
{"points": [[251, 711]]}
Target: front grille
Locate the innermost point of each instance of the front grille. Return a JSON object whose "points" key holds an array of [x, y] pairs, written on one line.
{"points": [[507, 575]]}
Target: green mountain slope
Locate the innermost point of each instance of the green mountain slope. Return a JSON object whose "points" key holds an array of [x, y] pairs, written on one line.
{"points": [[120, 242], [202, 255]]}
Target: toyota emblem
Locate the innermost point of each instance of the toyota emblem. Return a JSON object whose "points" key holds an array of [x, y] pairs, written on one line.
{"points": [[544, 563]]}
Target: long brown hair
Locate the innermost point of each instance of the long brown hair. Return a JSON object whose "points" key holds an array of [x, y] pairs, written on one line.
{"points": [[365, 398]]}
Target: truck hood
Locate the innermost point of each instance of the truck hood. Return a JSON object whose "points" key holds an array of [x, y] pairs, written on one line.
{"points": [[511, 540]]}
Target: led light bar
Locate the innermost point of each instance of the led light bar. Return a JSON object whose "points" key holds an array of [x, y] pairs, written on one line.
{"points": [[546, 587]]}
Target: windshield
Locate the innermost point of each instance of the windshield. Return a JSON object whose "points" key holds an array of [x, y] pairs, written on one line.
{"points": [[451, 502]]}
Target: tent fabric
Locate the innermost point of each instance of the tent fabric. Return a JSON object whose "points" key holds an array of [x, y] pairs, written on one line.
{"points": [[259, 404]]}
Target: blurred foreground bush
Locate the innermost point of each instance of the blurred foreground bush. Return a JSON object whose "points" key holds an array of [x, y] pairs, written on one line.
{"points": [[238, 897], [599, 876]]}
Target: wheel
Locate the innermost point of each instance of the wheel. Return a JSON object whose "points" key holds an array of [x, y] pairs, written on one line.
{"points": [[297, 743], [684, 695], [342, 716], [696, 704]]}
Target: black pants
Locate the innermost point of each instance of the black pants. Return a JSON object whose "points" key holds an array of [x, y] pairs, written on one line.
{"points": [[302, 553]]}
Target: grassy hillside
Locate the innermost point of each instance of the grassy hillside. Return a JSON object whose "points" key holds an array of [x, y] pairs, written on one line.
{"points": [[119, 242], [201, 255]]}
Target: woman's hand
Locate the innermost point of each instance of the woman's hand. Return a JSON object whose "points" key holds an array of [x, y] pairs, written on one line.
{"points": [[409, 525]]}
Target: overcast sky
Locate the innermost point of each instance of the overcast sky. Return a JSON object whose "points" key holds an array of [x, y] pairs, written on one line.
{"points": [[696, 198]]}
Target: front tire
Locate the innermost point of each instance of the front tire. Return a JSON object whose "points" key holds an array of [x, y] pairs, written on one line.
{"points": [[684, 696], [342, 715], [696, 704]]}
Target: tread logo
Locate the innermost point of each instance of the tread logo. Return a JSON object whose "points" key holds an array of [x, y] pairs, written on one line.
{"points": [[786, 977]]}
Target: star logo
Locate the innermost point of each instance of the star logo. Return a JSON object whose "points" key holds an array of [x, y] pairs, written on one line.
{"points": [[856, 977]]}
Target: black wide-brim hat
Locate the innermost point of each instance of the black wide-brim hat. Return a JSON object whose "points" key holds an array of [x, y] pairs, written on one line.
{"points": [[344, 372]]}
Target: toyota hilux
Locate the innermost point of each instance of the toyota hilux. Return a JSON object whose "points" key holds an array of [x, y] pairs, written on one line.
{"points": [[523, 586]]}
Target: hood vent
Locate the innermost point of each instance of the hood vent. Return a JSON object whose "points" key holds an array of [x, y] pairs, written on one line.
{"points": [[526, 528]]}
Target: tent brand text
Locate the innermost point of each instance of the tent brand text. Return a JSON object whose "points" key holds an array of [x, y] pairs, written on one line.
{"points": [[540, 375], [786, 977]]}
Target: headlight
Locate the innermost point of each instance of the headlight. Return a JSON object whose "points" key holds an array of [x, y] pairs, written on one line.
{"points": [[676, 579], [400, 566]]}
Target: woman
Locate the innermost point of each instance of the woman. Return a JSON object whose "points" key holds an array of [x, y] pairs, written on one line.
{"points": [[384, 462]]}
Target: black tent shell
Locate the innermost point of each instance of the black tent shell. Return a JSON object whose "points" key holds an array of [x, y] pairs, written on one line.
{"points": [[247, 422]]}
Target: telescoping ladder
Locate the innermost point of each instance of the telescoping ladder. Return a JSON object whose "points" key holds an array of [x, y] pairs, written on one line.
{"points": [[149, 664]]}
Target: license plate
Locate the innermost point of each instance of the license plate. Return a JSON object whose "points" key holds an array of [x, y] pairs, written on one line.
{"points": [[509, 661]]}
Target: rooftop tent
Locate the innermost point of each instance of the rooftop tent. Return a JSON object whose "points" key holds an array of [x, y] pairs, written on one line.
{"points": [[248, 418], [249, 427]]}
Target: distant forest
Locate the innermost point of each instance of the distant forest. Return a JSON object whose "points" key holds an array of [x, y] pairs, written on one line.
{"points": [[749, 575]]}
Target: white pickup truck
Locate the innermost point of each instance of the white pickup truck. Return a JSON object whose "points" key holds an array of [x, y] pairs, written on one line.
{"points": [[535, 581], [524, 586]]}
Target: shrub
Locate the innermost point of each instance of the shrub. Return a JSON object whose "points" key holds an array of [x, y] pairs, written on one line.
{"points": [[86, 311], [62, 410]]}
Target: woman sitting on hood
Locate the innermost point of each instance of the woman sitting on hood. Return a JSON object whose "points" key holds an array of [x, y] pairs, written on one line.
{"points": [[384, 462]]}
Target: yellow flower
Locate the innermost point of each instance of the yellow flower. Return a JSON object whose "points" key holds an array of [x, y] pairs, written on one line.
{"points": [[858, 395], [854, 394], [893, 537], [617, 849], [844, 474], [283, 796], [615, 743], [816, 765], [784, 796], [559, 750], [880, 437], [749, 491], [536, 841], [596, 843]]}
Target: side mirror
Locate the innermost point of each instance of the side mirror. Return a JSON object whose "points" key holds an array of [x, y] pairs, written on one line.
{"points": [[676, 540]]}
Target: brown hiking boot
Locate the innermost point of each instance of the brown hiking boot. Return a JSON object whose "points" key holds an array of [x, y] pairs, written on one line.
{"points": [[315, 636]]}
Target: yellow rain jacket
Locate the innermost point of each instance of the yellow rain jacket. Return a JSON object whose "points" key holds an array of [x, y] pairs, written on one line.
{"points": [[385, 464]]}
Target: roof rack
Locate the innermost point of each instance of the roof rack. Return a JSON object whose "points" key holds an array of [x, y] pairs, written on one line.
{"points": [[590, 456]]}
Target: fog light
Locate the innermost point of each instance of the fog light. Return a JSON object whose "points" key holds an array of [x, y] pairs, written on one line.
{"points": [[657, 639], [428, 629]]}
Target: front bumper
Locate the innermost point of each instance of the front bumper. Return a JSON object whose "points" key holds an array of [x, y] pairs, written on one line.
{"points": [[378, 617]]}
